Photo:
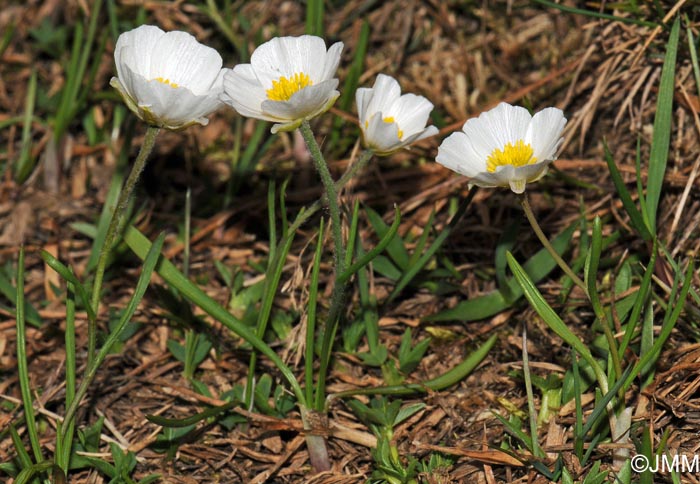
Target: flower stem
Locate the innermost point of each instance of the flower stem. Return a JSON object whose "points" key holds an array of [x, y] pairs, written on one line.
{"points": [[547, 245], [124, 197], [331, 195]]}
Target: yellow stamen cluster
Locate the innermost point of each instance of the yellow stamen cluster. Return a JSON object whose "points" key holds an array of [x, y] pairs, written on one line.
{"points": [[518, 154], [390, 119], [167, 82], [284, 88]]}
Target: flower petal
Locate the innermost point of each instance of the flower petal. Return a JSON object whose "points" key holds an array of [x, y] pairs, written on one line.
{"points": [[304, 103], [545, 133], [243, 92], [180, 59], [135, 47]]}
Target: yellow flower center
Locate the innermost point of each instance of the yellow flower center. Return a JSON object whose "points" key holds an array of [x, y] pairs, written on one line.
{"points": [[284, 88], [518, 154], [390, 119], [167, 82]]}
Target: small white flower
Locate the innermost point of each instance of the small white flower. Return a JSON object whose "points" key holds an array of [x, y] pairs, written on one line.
{"points": [[504, 146], [168, 79], [288, 80], [390, 121]]}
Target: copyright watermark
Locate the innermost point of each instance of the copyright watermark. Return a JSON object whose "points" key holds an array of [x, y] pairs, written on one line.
{"points": [[683, 464]]}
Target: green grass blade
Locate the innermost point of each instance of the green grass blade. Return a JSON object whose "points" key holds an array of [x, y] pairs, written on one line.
{"points": [[640, 301], [22, 365], [396, 248], [439, 383], [669, 323], [68, 276], [64, 446], [635, 215], [310, 341], [10, 292], [314, 17], [25, 460], [140, 245], [552, 319], [537, 268], [25, 163], [352, 234], [386, 239], [414, 269], [660, 143]]}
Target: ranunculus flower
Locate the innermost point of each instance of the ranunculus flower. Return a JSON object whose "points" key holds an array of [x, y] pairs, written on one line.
{"points": [[288, 80], [504, 146], [390, 121], [168, 79]]}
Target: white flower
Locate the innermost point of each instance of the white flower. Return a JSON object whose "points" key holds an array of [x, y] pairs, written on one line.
{"points": [[390, 121], [288, 80], [168, 79], [505, 146]]}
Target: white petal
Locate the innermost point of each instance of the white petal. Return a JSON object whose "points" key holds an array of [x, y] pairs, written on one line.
{"points": [[363, 96], [385, 93], [304, 103], [412, 113], [243, 92], [286, 56], [135, 47], [452, 154], [180, 59], [545, 132], [382, 137], [330, 65]]}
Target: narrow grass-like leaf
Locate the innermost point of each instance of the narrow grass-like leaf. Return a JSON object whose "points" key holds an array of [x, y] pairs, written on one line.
{"points": [[632, 211], [22, 364], [591, 275], [64, 445], [273, 274], [8, 290], [150, 260], [386, 239], [314, 17], [693, 57], [414, 269], [310, 341], [505, 244], [25, 163], [352, 233], [537, 267], [422, 240], [658, 156], [578, 423], [7, 37], [140, 245], [532, 412], [70, 277], [25, 460], [441, 382], [396, 249], [28, 474], [670, 319], [194, 419], [552, 319]]}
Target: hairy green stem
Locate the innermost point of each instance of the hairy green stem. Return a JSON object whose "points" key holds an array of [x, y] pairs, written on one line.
{"points": [[547, 245], [124, 197], [331, 195]]}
